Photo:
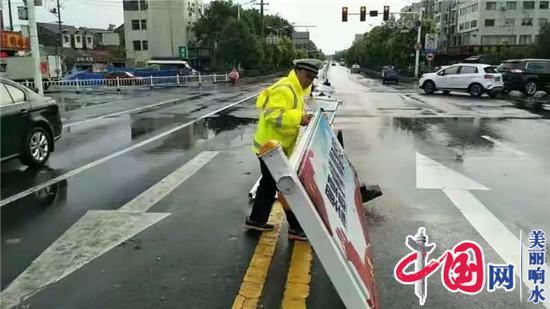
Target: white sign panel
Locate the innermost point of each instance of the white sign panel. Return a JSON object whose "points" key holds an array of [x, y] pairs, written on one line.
{"points": [[325, 197], [430, 42]]}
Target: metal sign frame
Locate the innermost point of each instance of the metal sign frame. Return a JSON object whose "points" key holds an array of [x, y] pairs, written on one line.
{"points": [[338, 268]]}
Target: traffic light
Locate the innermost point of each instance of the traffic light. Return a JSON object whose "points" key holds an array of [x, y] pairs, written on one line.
{"points": [[373, 13], [363, 13], [345, 13], [386, 12]]}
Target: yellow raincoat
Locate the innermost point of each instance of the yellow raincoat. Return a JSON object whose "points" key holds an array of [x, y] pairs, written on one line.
{"points": [[281, 109]]}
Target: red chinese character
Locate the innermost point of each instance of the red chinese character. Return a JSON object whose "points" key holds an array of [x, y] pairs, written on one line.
{"points": [[459, 272]]}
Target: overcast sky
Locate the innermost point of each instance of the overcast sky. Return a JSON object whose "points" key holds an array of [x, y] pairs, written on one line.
{"points": [[330, 33]]}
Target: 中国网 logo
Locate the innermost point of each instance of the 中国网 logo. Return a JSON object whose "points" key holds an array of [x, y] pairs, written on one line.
{"points": [[464, 269]]}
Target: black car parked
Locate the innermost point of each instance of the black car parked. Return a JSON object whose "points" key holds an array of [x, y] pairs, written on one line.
{"points": [[526, 75], [30, 124]]}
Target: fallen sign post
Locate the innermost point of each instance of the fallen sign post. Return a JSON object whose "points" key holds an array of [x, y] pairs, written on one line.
{"points": [[322, 189]]}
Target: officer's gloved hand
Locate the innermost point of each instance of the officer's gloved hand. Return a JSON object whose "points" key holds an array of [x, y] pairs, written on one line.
{"points": [[306, 119]]}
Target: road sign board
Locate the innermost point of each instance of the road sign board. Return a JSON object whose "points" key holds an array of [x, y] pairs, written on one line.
{"points": [[430, 57], [22, 13], [430, 41], [182, 51], [325, 196]]}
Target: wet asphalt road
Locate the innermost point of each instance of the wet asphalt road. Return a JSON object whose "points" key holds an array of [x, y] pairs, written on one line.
{"points": [[197, 255]]}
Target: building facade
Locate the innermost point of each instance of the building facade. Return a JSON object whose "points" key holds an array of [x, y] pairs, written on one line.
{"points": [[82, 48], [490, 23], [445, 19], [157, 29]]}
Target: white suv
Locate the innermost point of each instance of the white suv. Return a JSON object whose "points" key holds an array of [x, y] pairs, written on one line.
{"points": [[473, 78]]}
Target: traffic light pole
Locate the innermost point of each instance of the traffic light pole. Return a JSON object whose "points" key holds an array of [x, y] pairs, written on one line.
{"points": [[418, 42]]}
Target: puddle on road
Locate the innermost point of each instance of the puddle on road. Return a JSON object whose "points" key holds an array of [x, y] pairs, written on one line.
{"points": [[451, 132], [205, 129]]}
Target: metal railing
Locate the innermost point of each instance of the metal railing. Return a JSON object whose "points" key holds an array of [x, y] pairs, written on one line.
{"points": [[137, 82]]}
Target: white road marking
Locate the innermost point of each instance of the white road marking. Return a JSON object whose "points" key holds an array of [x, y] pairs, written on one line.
{"points": [[431, 174], [151, 196], [97, 232], [504, 146], [487, 225], [76, 123], [95, 163], [495, 233]]}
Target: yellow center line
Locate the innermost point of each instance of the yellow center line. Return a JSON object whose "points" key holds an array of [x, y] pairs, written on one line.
{"points": [[298, 277], [254, 278]]}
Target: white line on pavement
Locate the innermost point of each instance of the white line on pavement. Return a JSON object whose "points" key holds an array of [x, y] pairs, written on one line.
{"points": [[151, 196], [81, 169], [431, 174], [76, 123], [494, 232], [504, 146], [95, 233]]}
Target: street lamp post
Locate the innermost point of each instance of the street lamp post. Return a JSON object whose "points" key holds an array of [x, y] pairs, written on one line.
{"points": [[35, 49], [418, 38]]}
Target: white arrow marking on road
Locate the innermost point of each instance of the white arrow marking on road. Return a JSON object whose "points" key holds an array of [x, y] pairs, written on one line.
{"points": [[97, 232], [456, 186], [504, 146]]}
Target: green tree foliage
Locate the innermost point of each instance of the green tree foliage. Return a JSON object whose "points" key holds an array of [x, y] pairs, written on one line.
{"points": [[288, 53], [385, 45], [208, 29], [239, 45], [239, 41], [541, 47]]}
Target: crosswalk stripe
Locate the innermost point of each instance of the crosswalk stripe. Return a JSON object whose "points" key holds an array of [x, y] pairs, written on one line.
{"points": [[151, 196]]}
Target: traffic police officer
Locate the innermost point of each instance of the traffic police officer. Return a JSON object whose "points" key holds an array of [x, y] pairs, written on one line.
{"points": [[281, 115]]}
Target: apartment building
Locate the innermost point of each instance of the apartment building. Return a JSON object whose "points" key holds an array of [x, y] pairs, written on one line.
{"points": [[445, 19], [493, 23], [159, 28]]}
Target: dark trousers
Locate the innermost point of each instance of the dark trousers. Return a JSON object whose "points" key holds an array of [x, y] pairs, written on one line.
{"points": [[265, 196]]}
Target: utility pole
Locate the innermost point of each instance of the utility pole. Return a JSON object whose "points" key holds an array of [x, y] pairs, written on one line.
{"points": [[35, 49], [9, 12], [262, 19], [60, 36], [261, 4], [418, 42]]}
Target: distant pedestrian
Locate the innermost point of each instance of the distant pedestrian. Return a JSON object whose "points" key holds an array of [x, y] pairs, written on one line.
{"points": [[234, 76], [281, 115]]}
